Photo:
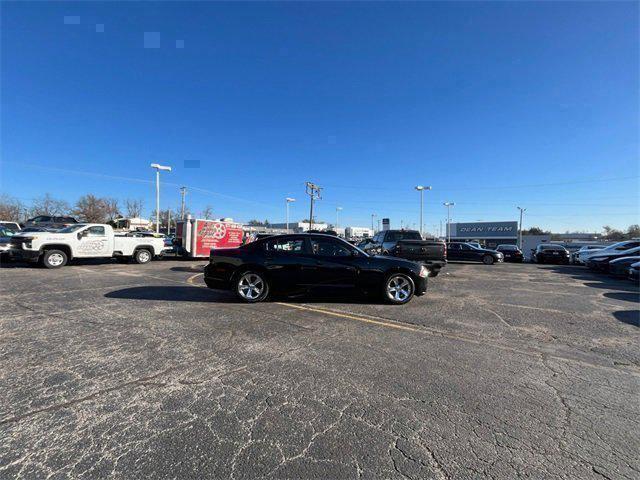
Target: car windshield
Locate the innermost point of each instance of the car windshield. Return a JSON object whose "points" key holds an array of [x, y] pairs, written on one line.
{"points": [[71, 228], [507, 247], [403, 235], [5, 232]]}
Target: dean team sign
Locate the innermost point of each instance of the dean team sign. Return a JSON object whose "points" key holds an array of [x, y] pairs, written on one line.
{"points": [[485, 230]]}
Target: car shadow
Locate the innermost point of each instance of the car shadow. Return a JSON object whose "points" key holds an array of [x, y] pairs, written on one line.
{"points": [[626, 296], [630, 317], [173, 294], [200, 294], [191, 269]]}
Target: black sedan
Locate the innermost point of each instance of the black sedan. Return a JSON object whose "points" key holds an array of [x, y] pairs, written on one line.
{"points": [[548, 253], [289, 264], [511, 253], [620, 266], [601, 261], [470, 253]]}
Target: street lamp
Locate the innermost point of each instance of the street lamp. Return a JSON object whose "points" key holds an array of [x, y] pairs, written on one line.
{"points": [[373, 215], [158, 167], [522, 210], [421, 189], [337, 219], [448, 205], [288, 200]]}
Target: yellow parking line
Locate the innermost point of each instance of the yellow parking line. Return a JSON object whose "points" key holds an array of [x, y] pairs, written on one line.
{"points": [[192, 277], [353, 317]]}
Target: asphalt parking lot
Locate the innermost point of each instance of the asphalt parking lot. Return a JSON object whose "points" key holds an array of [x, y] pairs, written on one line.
{"points": [[135, 371]]}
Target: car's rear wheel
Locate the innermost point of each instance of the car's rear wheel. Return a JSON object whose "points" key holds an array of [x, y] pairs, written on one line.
{"points": [[142, 256], [488, 260], [251, 287], [398, 288], [54, 259]]}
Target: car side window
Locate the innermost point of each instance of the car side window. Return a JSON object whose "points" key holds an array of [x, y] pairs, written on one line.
{"points": [[465, 247], [329, 248], [285, 245], [454, 246], [95, 231]]}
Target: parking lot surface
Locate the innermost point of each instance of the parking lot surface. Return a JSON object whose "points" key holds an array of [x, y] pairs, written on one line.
{"points": [[135, 371]]}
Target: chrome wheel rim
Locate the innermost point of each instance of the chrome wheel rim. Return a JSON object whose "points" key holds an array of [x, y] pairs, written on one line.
{"points": [[398, 288], [144, 256], [250, 286], [55, 259]]}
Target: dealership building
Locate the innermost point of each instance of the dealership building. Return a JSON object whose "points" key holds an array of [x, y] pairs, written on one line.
{"points": [[488, 234]]}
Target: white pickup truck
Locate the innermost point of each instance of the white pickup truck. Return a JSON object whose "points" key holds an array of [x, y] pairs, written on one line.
{"points": [[83, 240]]}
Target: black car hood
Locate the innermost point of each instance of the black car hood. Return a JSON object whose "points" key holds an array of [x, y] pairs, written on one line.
{"points": [[395, 260], [485, 250]]}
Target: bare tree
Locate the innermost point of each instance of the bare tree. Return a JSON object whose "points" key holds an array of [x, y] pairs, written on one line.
{"points": [[134, 208], [47, 205], [112, 208], [207, 213], [11, 209], [91, 209]]}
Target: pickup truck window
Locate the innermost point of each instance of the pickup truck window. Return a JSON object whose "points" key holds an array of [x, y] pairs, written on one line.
{"points": [[95, 231], [397, 236]]}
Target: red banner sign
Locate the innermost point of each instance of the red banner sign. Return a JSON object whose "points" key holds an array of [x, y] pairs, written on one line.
{"points": [[213, 234]]}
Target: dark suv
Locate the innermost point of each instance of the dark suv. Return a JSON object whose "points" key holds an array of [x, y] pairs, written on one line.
{"points": [[550, 254], [50, 221]]}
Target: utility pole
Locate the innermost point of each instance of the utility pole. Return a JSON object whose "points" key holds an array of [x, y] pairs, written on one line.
{"points": [[448, 205], [168, 221], [315, 193], [372, 217], [522, 210], [288, 200], [337, 219], [183, 192], [158, 167], [421, 189]]}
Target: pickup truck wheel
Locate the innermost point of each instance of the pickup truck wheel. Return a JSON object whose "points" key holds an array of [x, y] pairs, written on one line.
{"points": [[142, 256], [488, 260], [54, 259], [398, 288], [251, 287]]}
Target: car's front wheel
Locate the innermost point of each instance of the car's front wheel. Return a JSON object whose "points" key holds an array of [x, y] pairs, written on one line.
{"points": [[398, 288], [252, 287], [54, 259]]}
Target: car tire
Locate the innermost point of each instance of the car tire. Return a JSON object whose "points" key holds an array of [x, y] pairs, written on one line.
{"points": [[488, 260], [251, 286], [142, 256], [54, 259], [398, 289]]}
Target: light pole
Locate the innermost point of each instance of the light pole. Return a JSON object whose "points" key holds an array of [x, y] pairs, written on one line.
{"points": [[448, 205], [522, 210], [373, 215], [421, 189], [337, 218], [158, 167], [288, 200]]}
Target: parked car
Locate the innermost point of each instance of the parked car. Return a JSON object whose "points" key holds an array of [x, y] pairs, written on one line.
{"points": [[82, 240], [600, 261], [12, 226], [550, 253], [48, 221], [634, 272], [469, 253], [410, 245], [620, 266], [578, 257], [286, 264], [5, 241], [511, 253], [616, 247]]}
